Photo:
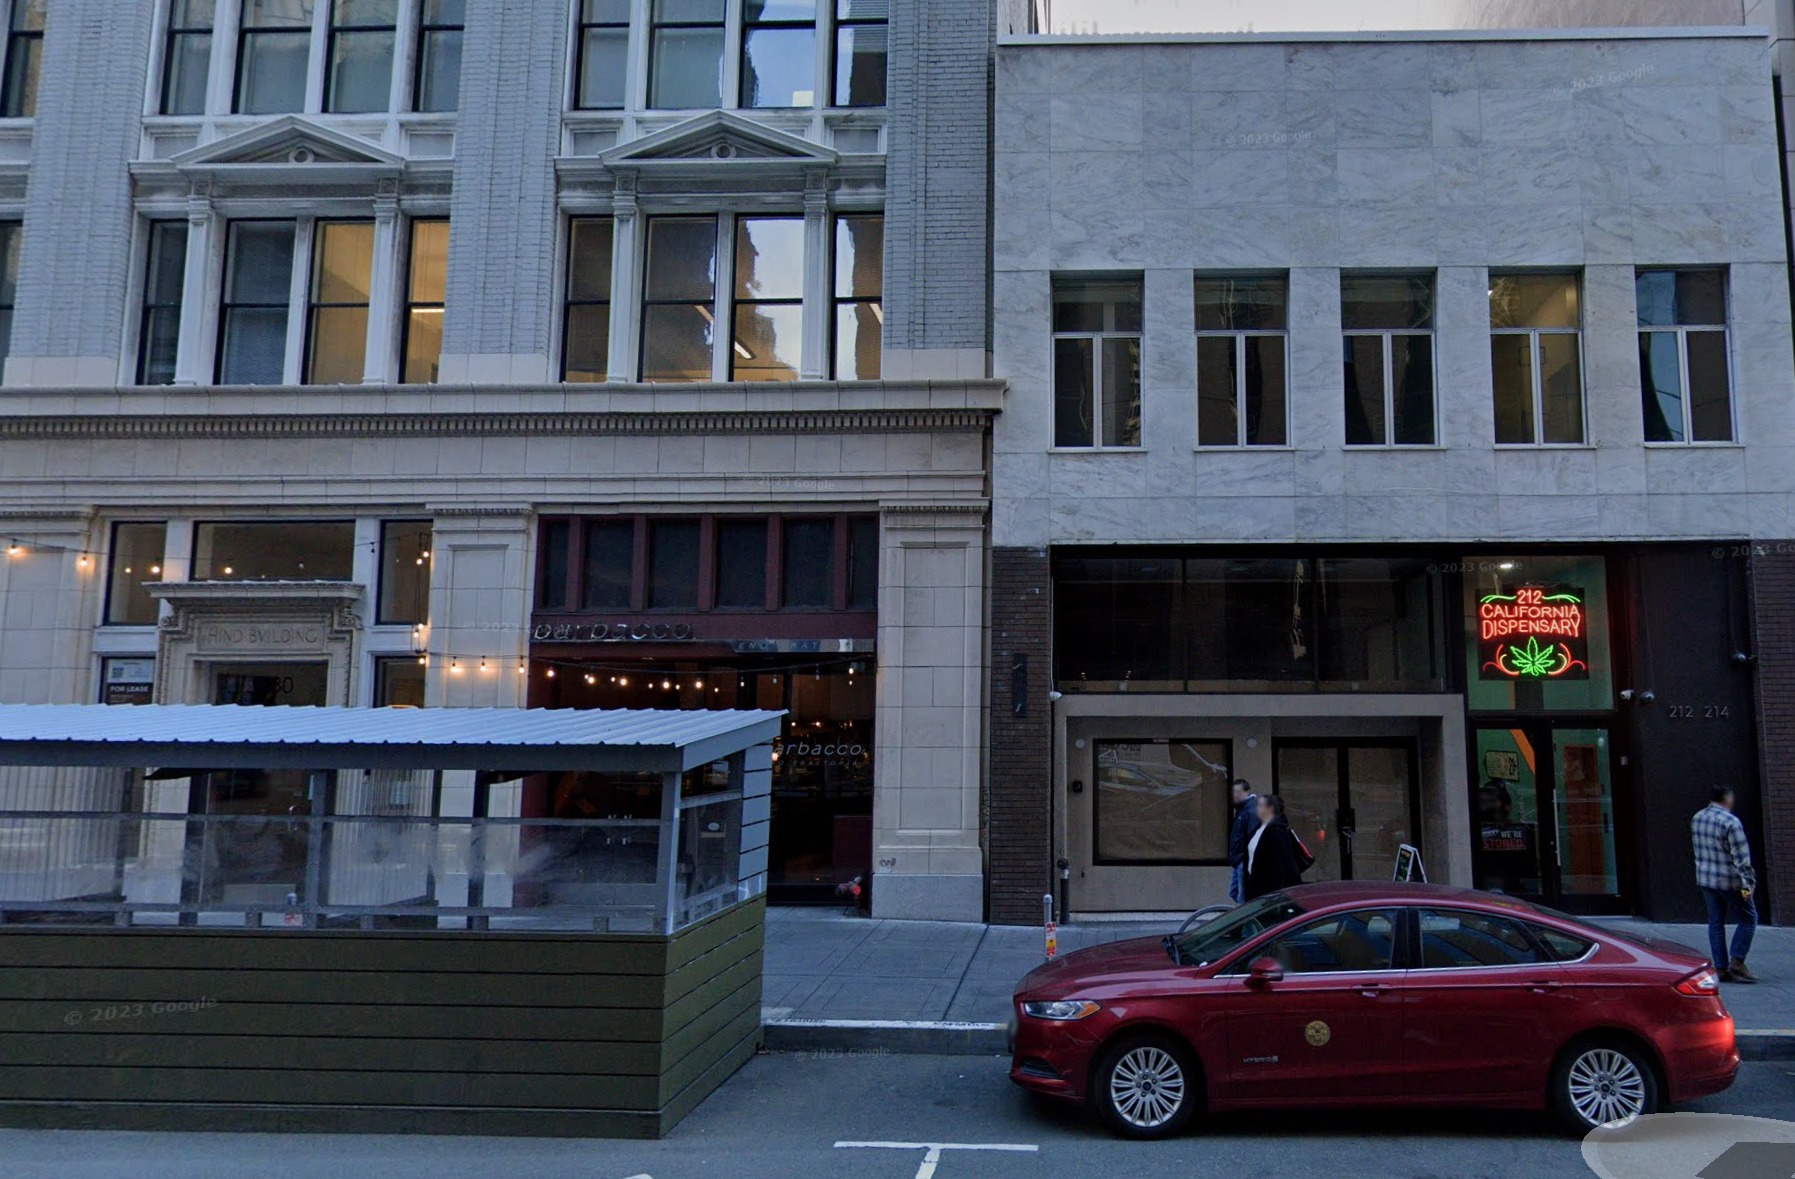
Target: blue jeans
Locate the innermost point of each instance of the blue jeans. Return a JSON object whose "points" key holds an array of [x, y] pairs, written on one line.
{"points": [[1237, 883], [1721, 901]]}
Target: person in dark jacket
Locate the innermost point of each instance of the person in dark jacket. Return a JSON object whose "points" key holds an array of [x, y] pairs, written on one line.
{"points": [[1274, 856], [1246, 821]]}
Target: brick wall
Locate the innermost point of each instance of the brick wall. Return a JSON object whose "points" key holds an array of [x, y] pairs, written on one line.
{"points": [[1773, 628], [1019, 832]]}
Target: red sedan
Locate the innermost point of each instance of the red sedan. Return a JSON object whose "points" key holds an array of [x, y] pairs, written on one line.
{"points": [[1357, 994]]}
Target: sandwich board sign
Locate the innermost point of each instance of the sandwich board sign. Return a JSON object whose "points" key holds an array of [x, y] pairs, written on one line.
{"points": [[1409, 868]]}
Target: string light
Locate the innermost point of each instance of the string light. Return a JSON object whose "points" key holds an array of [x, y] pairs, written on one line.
{"points": [[551, 673], [14, 548], [455, 667]]}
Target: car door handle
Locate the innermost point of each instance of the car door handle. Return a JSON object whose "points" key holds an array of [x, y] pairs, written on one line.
{"points": [[1372, 990], [1544, 986]]}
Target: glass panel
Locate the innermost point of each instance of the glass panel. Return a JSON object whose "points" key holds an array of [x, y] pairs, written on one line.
{"points": [[12, 235], [404, 571], [1561, 376], [423, 346], [1308, 780], [604, 62], [1393, 302], [29, 14], [690, 11], [398, 683], [1162, 802], [742, 564], [1241, 304], [1412, 366], [1218, 378], [345, 262], [1359, 941], [439, 70], [24, 62], [769, 258], [822, 825], [339, 346], [269, 551], [809, 563], [589, 264], [1563, 947], [1249, 619], [682, 259], [1676, 298], [1381, 623], [778, 67], [1661, 385], [187, 70], [860, 257], [552, 561], [1540, 676], [428, 288], [1121, 392], [589, 343], [676, 342], [688, 69], [607, 12], [259, 279], [136, 561], [261, 269], [1534, 301], [1365, 424], [1115, 622], [1508, 842], [274, 52], [858, 342], [1377, 780], [1266, 412], [163, 288], [673, 565], [860, 53], [863, 563], [1585, 813], [255, 346], [161, 345], [1710, 407], [167, 262], [762, 11], [1074, 399], [1096, 304], [610, 564], [769, 342], [1453, 939], [1511, 367], [710, 849], [361, 72]]}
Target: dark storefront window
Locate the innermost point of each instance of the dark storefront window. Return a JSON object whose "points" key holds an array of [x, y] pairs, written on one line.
{"points": [[610, 558], [136, 561], [1162, 802], [404, 571], [309, 550], [551, 564], [863, 563], [399, 682], [741, 564], [809, 563], [1236, 624], [673, 565]]}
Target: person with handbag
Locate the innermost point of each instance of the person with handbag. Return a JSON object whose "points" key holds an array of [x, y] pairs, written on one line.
{"points": [[1276, 858]]}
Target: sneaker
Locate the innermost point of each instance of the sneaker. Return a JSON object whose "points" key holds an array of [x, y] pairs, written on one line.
{"points": [[1725, 974], [1737, 972]]}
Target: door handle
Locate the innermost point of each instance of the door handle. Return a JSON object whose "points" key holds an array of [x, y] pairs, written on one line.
{"points": [[1372, 990], [1544, 986]]}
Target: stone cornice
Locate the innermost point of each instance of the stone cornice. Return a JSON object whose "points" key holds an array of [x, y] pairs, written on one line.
{"points": [[491, 425]]}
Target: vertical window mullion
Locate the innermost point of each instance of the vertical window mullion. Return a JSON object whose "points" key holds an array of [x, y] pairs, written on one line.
{"points": [[1688, 388], [1096, 339], [1539, 387], [1388, 341], [723, 299], [1240, 388]]}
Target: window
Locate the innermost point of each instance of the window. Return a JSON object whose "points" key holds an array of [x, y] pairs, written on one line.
{"points": [[1346, 942], [164, 280], [861, 39], [187, 56], [12, 235], [586, 348], [768, 317], [679, 292], [1096, 361], [404, 571], [673, 565], [1536, 358], [859, 292], [863, 563], [1684, 375], [553, 563], [603, 53], [273, 57], [363, 35], [1452, 938], [307, 550], [440, 28], [778, 53], [258, 288], [610, 564], [399, 682], [425, 292], [809, 560], [1560, 946], [1162, 802], [337, 328], [1242, 397], [685, 70], [1388, 321], [741, 564], [24, 59], [136, 561]]}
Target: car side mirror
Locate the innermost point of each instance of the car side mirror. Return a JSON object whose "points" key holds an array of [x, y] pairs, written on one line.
{"points": [[1263, 972]]}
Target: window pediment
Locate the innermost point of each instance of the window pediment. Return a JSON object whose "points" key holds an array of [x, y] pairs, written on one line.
{"points": [[718, 137], [293, 144]]}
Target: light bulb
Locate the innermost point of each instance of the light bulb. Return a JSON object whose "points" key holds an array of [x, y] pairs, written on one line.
{"points": [[591, 679], [156, 569], [551, 673]]}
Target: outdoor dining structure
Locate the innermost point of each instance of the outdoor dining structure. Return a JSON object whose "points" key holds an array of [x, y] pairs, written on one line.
{"points": [[483, 921]]}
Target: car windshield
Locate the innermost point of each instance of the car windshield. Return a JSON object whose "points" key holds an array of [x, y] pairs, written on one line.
{"points": [[1216, 939]]}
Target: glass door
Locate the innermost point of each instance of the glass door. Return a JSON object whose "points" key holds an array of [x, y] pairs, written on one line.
{"points": [[1352, 803], [1545, 825]]}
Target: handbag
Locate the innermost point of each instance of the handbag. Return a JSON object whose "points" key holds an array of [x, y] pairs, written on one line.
{"points": [[1305, 859]]}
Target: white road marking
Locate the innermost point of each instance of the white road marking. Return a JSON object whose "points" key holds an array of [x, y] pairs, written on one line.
{"points": [[932, 1150]]}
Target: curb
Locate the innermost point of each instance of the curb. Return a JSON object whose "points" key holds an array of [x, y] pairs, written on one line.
{"points": [[906, 1037], [899, 1037]]}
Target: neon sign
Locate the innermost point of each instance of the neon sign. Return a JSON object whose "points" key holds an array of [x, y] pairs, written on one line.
{"points": [[1533, 633]]}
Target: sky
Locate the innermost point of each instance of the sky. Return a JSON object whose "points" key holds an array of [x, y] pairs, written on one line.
{"points": [[1264, 16]]}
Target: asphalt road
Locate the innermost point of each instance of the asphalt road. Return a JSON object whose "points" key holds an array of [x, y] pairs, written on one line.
{"points": [[784, 1115]]}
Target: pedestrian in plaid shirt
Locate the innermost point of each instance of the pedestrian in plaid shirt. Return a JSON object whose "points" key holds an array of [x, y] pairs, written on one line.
{"points": [[1723, 870]]}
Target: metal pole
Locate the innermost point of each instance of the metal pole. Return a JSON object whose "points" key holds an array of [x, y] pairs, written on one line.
{"points": [[1052, 928]]}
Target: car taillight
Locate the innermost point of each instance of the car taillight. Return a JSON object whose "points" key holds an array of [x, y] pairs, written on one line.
{"points": [[1703, 984]]}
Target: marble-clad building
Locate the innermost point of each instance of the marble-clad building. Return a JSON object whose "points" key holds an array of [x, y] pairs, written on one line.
{"points": [[1402, 422]]}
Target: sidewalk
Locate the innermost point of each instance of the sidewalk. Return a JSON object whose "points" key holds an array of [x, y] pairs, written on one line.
{"points": [[843, 983]]}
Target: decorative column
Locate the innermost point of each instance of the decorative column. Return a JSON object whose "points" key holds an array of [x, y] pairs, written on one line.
{"points": [[818, 277], [383, 285], [50, 584], [626, 278], [192, 356]]}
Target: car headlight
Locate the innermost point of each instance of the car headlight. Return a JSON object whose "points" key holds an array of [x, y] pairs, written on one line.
{"points": [[1061, 1009]]}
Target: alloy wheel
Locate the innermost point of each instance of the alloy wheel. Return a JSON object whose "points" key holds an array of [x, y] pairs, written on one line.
{"points": [[1606, 1087], [1147, 1087]]}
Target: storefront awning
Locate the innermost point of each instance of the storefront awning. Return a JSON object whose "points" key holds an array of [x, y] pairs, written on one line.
{"points": [[236, 737]]}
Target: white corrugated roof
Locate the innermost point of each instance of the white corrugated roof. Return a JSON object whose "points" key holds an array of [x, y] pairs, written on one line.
{"points": [[427, 737]]}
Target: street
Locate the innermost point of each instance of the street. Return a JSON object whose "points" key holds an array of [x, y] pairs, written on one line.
{"points": [[882, 1117]]}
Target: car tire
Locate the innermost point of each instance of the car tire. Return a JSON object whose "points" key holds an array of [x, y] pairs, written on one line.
{"points": [[1603, 1081], [1146, 1086]]}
